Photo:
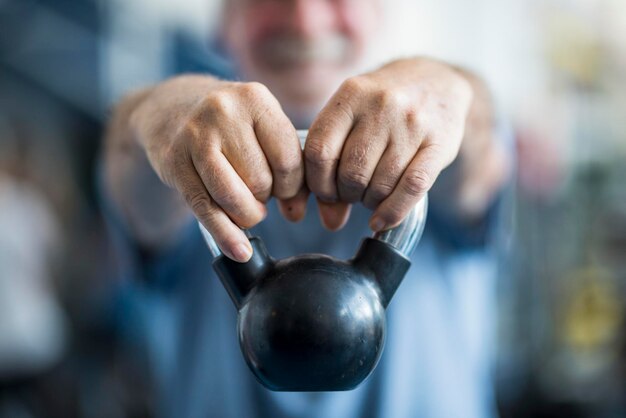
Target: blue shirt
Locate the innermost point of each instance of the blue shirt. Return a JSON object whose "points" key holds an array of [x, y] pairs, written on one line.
{"points": [[439, 348], [438, 352]]}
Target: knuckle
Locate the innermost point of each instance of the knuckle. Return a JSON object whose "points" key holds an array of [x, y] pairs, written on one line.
{"points": [[354, 85], [412, 118], [261, 185], [319, 153], [382, 98], [390, 99], [190, 140], [259, 101], [379, 192], [424, 125], [253, 90], [190, 131], [224, 195], [353, 179], [204, 163], [220, 103], [200, 204], [287, 164], [417, 182]]}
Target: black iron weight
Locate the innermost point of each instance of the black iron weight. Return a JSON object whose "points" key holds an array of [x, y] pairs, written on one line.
{"points": [[313, 322]]}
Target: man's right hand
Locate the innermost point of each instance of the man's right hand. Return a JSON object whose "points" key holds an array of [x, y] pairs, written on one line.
{"points": [[226, 147]]}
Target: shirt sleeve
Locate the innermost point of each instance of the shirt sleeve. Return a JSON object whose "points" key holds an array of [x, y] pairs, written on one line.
{"points": [[129, 262]]}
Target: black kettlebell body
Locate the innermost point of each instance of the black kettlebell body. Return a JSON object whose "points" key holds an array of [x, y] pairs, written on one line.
{"points": [[313, 322]]}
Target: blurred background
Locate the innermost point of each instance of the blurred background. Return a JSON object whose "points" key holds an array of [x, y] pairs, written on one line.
{"points": [[68, 335]]}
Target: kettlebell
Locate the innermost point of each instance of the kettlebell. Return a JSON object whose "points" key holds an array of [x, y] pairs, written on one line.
{"points": [[312, 322]]}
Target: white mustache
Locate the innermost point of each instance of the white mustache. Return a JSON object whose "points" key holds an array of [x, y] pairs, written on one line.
{"points": [[284, 51]]}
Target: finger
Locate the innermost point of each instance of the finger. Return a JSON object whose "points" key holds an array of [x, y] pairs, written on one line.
{"points": [[294, 209], [333, 215], [392, 164], [228, 190], [228, 236], [281, 146], [416, 180], [244, 154], [360, 156], [323, 147]]}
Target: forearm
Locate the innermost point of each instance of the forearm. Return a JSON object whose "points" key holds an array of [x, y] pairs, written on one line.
{"points": [[152, 212]]}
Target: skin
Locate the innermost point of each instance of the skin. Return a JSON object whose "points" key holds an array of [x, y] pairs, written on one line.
{"points": [[222, 149]]}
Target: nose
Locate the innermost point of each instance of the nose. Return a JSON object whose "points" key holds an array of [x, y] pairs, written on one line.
{"points": [[312, 18]]}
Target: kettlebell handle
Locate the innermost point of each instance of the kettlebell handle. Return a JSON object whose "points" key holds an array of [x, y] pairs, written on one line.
{"points": [[403, 238]]}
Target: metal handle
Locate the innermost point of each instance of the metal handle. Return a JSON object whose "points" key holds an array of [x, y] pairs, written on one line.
{"points": [[403, 237]]}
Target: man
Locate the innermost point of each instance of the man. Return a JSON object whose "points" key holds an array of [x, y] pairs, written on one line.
{"points": [[219, 150]]}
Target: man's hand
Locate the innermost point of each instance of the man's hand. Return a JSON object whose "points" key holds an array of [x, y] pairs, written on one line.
{"points": [[226, 147], [383, 139]]}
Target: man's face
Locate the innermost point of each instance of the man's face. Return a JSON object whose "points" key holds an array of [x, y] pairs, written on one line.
{"points": [[301, 49]]}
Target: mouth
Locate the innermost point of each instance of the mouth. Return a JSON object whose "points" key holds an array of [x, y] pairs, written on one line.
{"points": [[283, 53]]}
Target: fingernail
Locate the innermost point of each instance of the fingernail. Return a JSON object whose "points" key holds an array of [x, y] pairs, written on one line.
{"points": [[377, 224], [242, 252]]}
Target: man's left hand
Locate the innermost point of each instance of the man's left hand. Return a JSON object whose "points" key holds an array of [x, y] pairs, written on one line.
{"points": [[384, 137]]}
